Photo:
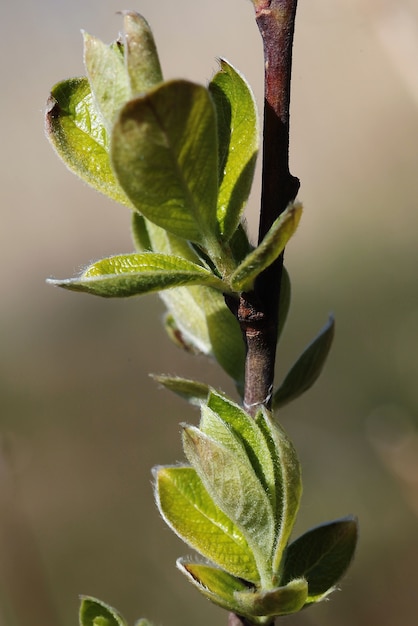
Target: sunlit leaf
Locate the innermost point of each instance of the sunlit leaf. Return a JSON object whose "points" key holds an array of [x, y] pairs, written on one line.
{"points": [[268, 250], [288, 482], [189, 510], [307, 368], [217, 585], [108, 78], [76, 131], [238, 143], [142, 62], [164, 153], [230, 480], [136, 274]]}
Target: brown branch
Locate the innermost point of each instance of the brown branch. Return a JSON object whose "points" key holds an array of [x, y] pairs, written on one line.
{"points": [[258, 312]]}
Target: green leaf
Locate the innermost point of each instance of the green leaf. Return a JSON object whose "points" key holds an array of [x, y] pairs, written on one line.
{"points": [[96, 613], [136, 274], [76, 131], [273, 244], [140, 234], [231, 482], [141, 55], [164, 153], [307, 368], [280, 601], [238, 144], [288, 483], [225, 336], [191, 390], [245, 428], [217, 585], [188, 509], [108, 78], [322, 556]]}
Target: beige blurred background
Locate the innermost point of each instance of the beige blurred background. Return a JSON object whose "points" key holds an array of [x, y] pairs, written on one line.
{"points": [[82, 424]]}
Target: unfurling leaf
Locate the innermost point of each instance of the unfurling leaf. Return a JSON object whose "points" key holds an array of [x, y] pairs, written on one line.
{"points": [[193, 391], [307, 368], [165, 155], [140, 53], [273, 244]]}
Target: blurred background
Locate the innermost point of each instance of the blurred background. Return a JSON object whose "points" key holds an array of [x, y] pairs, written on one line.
{"points": [[81, 423]]}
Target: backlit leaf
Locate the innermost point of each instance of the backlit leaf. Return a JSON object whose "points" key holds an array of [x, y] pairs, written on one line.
{"points": [[189, 510], [164, 153], [238, 143], [76, 131], [141, 54], [136, 274]]}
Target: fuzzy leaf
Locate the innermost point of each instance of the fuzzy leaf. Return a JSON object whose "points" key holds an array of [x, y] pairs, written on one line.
{"points": [[76, 131], [188, 509], [140, 234], [238, 144], [96, 613], [230, 480], [307, 368], [164, 153], [108, 78], [273, 244], [245, 428], [280, 601], [227, 345], [288, 483], [142, 62], [321, 556], [217, 585], [193, 391], [137, 274]]}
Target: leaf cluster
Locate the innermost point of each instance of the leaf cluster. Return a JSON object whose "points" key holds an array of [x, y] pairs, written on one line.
{"points": [[181, 157]]}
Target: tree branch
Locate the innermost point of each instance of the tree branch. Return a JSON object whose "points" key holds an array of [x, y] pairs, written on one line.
{"points": [[258, 312]]}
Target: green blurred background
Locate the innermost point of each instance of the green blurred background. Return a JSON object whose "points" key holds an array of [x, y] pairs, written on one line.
{"points": [[81, 422]]}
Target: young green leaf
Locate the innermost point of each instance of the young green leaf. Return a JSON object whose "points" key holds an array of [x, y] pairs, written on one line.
{"points": [[141, 57], [321, 556], [307, 368], [245, 428], [218, 586], [137, 274], [273, 244], [238, 144], [164, 153], [225, 335], [96, 613], [140, 234], [280, 601], [189, 510], [231, 482], [76, 131], [108, 78], [191, 390], [288, 483]]}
